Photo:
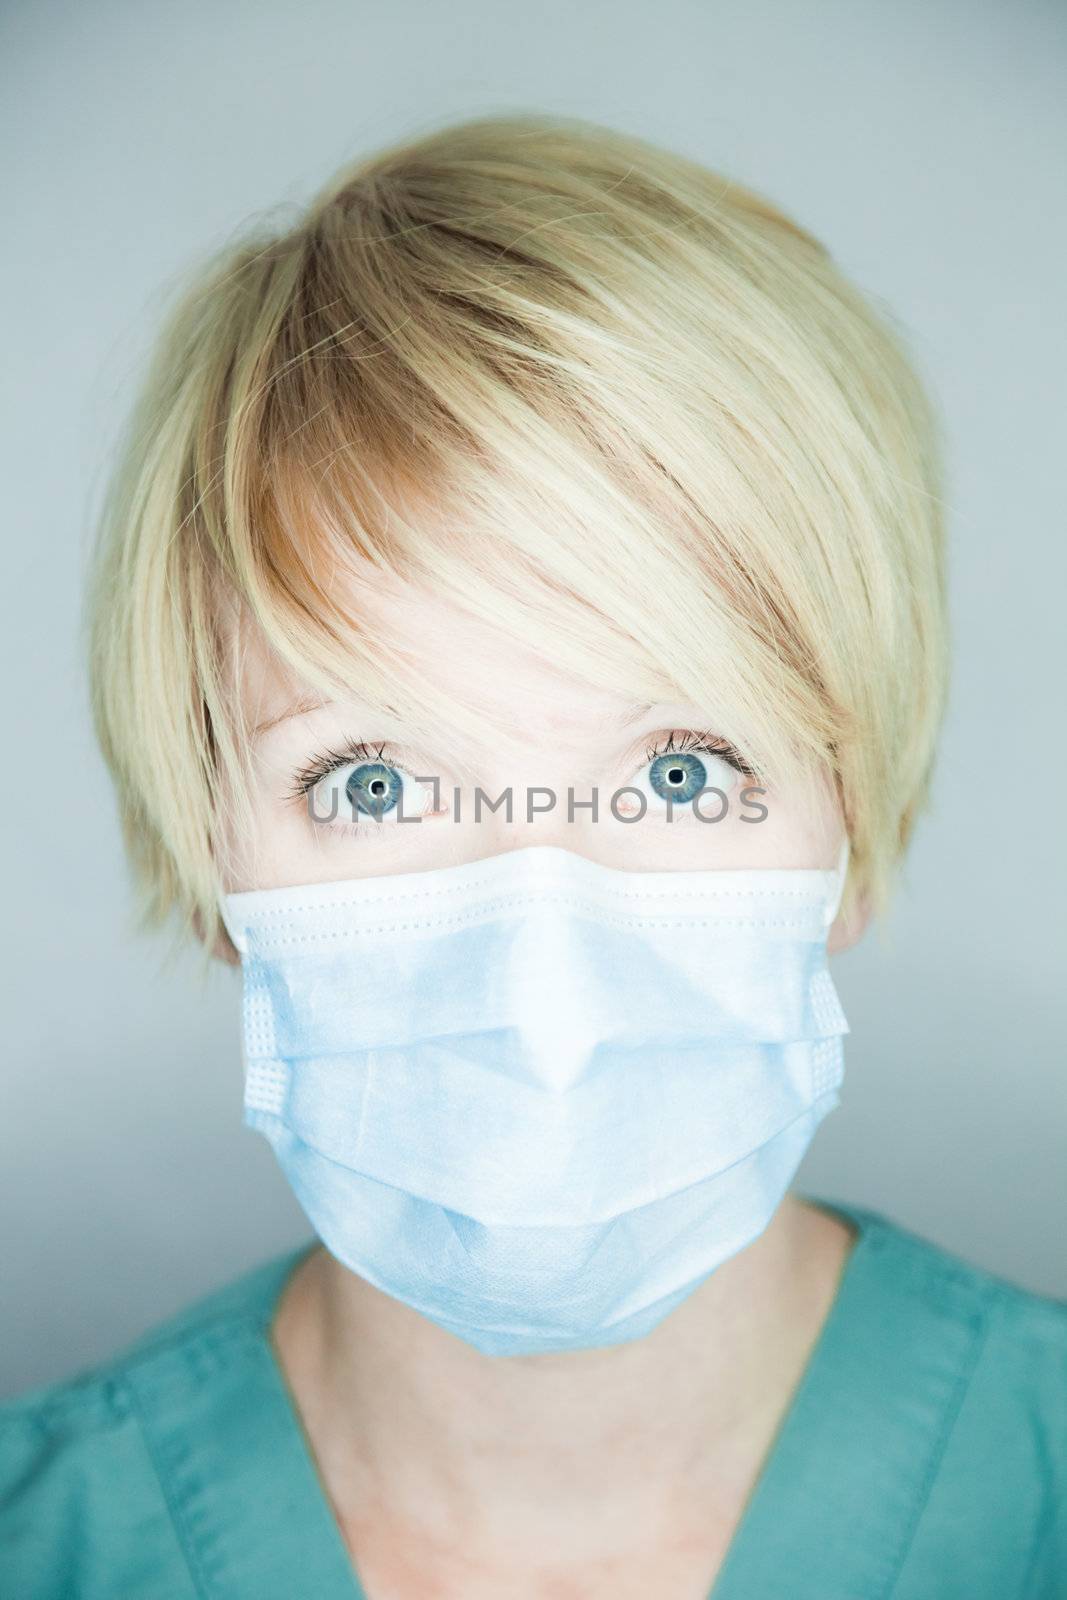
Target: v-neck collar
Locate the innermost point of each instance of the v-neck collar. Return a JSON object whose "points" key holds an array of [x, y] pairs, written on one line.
{"points": [[236, 1469], [835, 1505], [856, 1456]]}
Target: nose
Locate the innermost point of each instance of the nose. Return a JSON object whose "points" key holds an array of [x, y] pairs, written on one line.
{"points": [[542, 813]]}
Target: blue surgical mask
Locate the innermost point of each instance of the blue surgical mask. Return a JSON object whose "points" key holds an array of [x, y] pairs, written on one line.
{"points": [[535, 1098]]}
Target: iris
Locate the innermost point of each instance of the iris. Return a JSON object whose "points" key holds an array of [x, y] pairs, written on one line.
{"points": [[374, 788], [677, 776]]}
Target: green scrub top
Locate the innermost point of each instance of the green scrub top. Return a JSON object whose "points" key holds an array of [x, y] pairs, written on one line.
{"points": [[923, 1455]]}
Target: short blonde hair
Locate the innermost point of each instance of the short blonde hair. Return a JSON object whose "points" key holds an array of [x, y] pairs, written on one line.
{"points": [[588, 389]]}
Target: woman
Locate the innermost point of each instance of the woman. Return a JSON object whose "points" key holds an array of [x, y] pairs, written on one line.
{"points": [[519, 607]]}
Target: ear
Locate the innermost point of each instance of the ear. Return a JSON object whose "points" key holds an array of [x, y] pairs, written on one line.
{"points": [[222, 948], [847, 930]]}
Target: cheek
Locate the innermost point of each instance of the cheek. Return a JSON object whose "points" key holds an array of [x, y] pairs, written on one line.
{"points": [[803, 825], [773, 829], [257, 837], [240, 849]]}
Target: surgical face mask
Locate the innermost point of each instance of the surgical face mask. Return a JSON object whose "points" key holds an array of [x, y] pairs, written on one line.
{"points": [[537, 1099]]}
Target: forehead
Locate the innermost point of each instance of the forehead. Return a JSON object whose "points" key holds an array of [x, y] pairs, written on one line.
{"points": [[471, 664]]}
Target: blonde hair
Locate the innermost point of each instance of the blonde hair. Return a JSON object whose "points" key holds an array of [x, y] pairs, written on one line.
{"points": [[588, 389]]}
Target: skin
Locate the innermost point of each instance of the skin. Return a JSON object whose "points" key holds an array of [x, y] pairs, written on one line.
{"points": [[458, 1476]]}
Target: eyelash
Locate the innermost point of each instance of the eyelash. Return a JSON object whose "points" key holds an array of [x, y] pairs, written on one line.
{"points": [[698, 743], [323, 762], [678, 740]]}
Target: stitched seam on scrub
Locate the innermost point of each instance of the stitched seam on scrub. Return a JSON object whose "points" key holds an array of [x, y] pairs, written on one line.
{"points": [[174, 1505], [963, 1384]]}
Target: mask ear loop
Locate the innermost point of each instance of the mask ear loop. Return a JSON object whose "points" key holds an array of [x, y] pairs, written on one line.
{"points": [[841, 874]]}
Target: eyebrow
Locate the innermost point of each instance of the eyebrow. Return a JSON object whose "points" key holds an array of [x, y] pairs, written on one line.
{"points": [[300, 708], [308, 703]]}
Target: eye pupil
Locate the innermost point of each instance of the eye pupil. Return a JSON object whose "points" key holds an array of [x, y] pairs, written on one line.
{"points": [[676, 775]]}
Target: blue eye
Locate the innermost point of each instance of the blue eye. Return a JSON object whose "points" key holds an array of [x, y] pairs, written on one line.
{"points": [[677, 776], [683, 765], [354, 785], [373, 788]]}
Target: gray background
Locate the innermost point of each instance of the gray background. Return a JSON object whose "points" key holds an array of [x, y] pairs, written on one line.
{"points": [[923, 142]]}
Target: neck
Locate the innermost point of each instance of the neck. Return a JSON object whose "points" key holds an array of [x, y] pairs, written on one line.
{"points": [[407, 1418]]}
